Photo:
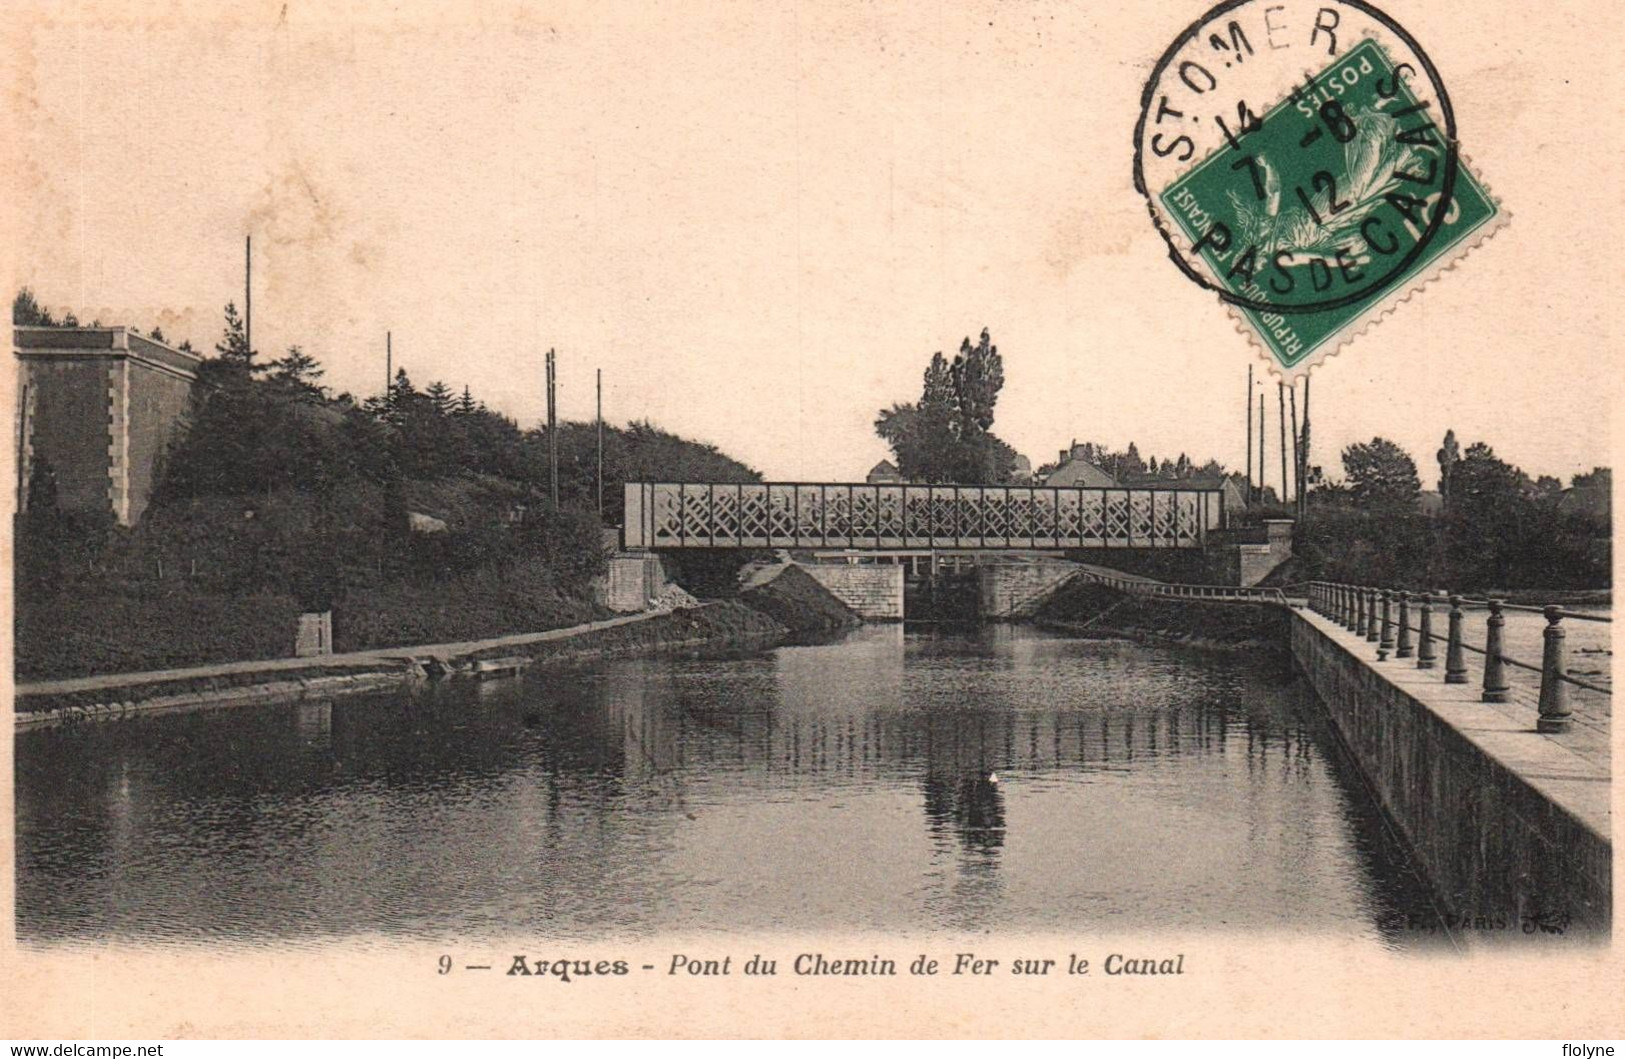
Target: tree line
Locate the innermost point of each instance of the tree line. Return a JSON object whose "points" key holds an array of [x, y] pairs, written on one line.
{"points": [[1492, 525]]}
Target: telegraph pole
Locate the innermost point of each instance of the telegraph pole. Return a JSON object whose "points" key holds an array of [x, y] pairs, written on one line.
{"points": [[1247, 407], [552, 429], [1280, 394], [600, 445], [1303, 448], [389, 363], [1261, 474], [248, 293], [1297, 454]]}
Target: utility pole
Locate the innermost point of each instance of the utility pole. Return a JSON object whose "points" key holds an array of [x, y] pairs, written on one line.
{"points": [[1297, 453], [389, 363], [248, 293], [552, 429], [1280, 394], [1303, 447], [1261, 475], [600, 446], [1247, 407]]}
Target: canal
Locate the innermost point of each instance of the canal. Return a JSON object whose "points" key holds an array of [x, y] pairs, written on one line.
{"points": [[997, 779]]}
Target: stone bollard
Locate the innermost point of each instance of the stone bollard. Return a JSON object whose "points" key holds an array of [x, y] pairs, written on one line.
{"points": [[1386, 643], [1359, 612], [1554, 695], [1343, 605], [1455, 660], [1425, 658], [1405, 647], [1496, 688], [1373, 623]]}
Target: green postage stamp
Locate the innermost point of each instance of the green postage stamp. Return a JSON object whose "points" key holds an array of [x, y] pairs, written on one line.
{"points": [[1321, 214]]}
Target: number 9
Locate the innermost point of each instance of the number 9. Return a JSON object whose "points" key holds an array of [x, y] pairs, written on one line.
{"points": [[445, 965]]}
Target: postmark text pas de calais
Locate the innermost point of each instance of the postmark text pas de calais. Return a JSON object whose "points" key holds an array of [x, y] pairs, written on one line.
{"points": [[1326, 203]]}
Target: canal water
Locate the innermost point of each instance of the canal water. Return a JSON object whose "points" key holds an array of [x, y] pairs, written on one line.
{"points": [[997, 779]]}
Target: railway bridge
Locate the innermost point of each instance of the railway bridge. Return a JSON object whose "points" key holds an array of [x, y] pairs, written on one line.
{"points": [[888, 517]]}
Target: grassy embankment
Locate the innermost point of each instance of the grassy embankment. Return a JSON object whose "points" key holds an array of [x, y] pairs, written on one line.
{"points": [[1086, 608]]}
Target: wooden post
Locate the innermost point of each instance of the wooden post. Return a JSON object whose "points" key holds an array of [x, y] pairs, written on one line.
{"points": [[1280, 396], [601, 446], [1554, 696], [1425, 658], [1455, 660], [1496, 688], [1303, 454], [1247, 407], [1404, 648], [1297, 477], [552, 431], [1260, 448]]}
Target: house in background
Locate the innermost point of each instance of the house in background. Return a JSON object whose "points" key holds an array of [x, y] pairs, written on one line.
{"points": [[1073, 470], [98, 407], [1230, 488], [884, 473]]}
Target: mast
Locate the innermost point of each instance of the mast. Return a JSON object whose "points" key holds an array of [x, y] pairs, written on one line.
{"points": [[1247, 407], [600, 377], [1280, 395], [552, 429]]}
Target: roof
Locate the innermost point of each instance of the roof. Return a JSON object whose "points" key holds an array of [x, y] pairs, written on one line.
{"points": [[1202, 484], [103, 342]]}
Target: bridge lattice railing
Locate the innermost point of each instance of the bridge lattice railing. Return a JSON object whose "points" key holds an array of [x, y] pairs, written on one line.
{"points": [[885, 516]]}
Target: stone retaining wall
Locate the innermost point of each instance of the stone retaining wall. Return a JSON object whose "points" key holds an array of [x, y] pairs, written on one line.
{"points": [[1489, 841]]}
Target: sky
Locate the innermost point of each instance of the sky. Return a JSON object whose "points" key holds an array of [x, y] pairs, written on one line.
{"points": [[760, 220]]}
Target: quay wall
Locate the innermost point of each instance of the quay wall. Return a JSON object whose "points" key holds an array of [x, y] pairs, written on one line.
{"points": [[1490, 842]]}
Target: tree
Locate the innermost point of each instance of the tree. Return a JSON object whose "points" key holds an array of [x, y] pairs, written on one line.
{"points": [[465, 404], [157, 334], [938, 391], [299, 374], [1381, 474], [1598, 477], [1448, 456], [440, 397], [26, 311], [233, 345], [978, 376]]}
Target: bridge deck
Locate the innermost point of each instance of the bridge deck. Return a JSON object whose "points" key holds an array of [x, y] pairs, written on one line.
{"points": [[880, 517]]}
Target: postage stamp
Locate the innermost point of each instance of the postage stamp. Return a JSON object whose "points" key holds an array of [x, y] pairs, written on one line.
{"points": [[1317, 216]]}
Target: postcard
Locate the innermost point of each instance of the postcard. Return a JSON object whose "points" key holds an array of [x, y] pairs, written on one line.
{"points": [[540, 520]]}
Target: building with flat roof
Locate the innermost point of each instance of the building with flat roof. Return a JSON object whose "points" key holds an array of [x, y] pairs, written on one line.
{"points": [[99, 407]]}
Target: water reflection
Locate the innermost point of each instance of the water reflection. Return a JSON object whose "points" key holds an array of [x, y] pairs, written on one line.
{"points": [[886, 782]]}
